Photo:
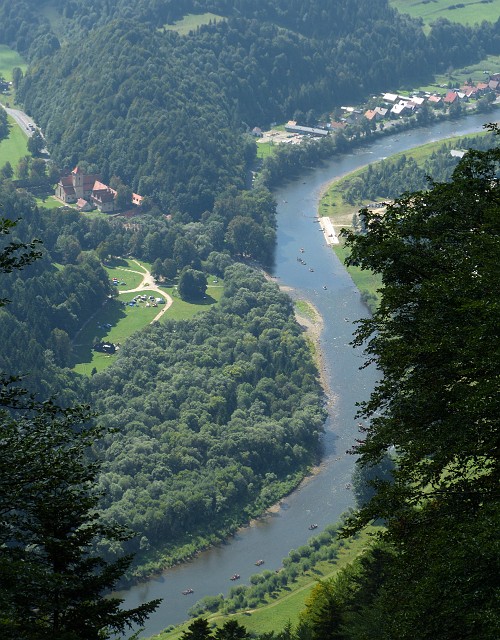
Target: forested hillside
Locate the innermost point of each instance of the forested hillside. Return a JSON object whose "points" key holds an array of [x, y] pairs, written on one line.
{"points": [[165, 112]]}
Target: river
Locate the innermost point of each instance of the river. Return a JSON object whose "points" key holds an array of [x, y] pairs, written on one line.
{"points": [[323, 497]]}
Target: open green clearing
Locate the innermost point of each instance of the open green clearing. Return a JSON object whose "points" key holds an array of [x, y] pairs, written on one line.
{"points": [[290, 600], [15, 147], [116, 321], [192, 21], [8, 60], [49, 202], [467, 12], [265, 149], [459, 77]]}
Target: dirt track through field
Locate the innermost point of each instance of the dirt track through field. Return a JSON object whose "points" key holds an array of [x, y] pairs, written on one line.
{"points": [[148, 283]]}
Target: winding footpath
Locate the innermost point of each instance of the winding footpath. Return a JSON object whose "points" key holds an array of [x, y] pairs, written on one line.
{"points": [[148, 282]]}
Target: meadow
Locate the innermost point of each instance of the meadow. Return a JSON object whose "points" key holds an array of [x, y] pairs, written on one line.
{"points": [[8, 60], [116, 320], [468, 12], [15, 147], [191, 22]]}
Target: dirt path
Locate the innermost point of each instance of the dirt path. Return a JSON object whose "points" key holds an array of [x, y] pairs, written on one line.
{"points": [[148, 283]]}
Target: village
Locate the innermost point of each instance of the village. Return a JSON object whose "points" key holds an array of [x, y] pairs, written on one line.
{"points": [[391, 109]]}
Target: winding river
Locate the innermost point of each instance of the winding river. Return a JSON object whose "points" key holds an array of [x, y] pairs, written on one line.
{"points": [[322, 498]]}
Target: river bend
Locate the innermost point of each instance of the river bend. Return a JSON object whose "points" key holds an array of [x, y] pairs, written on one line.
{"points": [[323, 497]]}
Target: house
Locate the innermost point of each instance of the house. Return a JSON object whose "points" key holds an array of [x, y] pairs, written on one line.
{"points": [[137, 200], [434, 99], [337, 126], [382, 111], [83, 205], [372, 115], [418, 101], [257, 132], [450, 98], [399, 108], [390, 97]]}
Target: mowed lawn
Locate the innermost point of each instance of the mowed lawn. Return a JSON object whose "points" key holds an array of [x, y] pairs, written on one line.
{"points": [[466, 12], [8, 60], [116, 320], [15, 147]]}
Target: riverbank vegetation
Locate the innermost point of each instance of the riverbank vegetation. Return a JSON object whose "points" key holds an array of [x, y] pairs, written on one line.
{"points": [[383, 181], [275, 599]]}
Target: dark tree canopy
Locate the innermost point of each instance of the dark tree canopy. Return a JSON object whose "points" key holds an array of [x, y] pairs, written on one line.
{"points": [[435, 339], [52, 585]]}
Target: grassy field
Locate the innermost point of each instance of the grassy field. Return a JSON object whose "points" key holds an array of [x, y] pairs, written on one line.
{"points": [[265, 149], [277, 612], [465, 12], [49, 202], [191, 21], [14, 147], [116, 321], [8, 60]]}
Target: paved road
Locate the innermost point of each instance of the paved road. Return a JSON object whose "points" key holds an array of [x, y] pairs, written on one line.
{"points": [[26, 123]]}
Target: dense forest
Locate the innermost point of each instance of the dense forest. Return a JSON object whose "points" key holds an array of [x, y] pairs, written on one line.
{"points": [[214, 416]]}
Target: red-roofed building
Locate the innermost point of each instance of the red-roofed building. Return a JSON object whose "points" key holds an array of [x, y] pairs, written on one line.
{"points": [[87, 191], [103, 197], [77, 185], [450, 97]]}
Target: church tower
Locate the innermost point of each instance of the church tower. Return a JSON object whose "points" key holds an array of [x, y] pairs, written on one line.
{"points": [[77, 176]]}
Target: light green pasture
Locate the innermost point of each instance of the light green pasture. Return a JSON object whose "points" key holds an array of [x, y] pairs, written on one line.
{"points": [[191, 22], [125, 320], [8, 60], [15, 147], [465, 12]]}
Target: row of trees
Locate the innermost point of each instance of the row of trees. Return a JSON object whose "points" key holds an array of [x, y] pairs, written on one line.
{"points": [[387, 179]]}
